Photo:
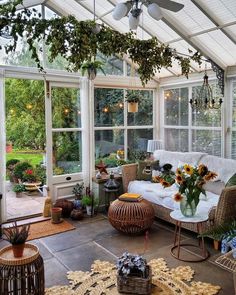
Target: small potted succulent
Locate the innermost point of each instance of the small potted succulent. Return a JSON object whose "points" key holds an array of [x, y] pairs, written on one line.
{"points": [[133, 97], [91, 68], [133, 274], [17, 236], [19, 189]]}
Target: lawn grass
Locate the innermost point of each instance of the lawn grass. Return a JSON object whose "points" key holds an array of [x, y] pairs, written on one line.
{"points": [[32, 157]]}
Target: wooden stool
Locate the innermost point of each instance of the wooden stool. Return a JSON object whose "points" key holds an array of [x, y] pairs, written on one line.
{"points": [[24, 275]]}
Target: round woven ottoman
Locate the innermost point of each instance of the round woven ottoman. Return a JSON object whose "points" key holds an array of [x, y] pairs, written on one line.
{"points": [[131, 217]]}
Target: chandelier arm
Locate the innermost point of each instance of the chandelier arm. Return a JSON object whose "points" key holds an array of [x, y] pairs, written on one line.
{"points": [[220, 75]]}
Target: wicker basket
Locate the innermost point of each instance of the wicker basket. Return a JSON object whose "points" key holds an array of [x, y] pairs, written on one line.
{"points": [[135, 285]]}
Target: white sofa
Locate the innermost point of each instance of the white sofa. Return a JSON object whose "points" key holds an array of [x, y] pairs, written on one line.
{"points": [[219, 203]]}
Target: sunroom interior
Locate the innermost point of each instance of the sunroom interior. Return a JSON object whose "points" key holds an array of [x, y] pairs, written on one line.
{"points": [[69, 125]]}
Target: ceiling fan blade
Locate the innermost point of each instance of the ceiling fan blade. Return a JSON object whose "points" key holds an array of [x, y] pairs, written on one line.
{"points": [[168, 4]]}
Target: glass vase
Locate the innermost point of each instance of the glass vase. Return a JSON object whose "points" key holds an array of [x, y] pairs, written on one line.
{"points": [[188, 208]]}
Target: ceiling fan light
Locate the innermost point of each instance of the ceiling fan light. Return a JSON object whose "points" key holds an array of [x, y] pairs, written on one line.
{"points": [[154, 11], [120, 11], [133, 22]]}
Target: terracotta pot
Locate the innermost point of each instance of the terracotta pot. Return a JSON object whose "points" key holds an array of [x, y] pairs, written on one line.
{"points": [[67, 207], [19, 194], [56, 214], [18, 250], [132, 107]]}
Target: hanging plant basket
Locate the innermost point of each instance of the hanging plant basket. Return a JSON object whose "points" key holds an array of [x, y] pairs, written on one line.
{"points": [[132, 107], [92, 73]]}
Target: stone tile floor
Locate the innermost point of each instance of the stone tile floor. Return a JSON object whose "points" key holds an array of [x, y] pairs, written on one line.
{"points": [[94, 238], [30, 203]]}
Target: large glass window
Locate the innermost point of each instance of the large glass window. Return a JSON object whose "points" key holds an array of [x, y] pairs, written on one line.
{"points": [[114, 126], [202, 126], [233, 134]]}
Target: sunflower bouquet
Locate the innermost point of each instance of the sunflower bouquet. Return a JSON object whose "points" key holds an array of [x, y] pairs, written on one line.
{"points": [[190, 181]]}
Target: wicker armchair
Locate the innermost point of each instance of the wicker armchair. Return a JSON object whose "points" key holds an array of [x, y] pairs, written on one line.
{"points": [[225, 210]]}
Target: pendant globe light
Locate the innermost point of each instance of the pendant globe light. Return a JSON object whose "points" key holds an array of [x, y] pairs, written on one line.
{"points": [[121, 10], [154, 11]]}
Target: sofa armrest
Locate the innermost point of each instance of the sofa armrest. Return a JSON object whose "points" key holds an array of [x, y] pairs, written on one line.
{"points": [[226, 207], [212, 215], [129, 173]]}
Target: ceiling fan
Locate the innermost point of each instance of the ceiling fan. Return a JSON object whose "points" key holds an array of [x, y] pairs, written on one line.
{"points": [[133, 9]]}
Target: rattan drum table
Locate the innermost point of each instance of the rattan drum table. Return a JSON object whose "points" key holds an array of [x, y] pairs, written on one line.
{"points": [[24, 275], [131, 217]]}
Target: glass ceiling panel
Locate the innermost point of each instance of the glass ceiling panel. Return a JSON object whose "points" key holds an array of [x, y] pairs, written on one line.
{"points": [[224, 11], [191, 17], [231, 30]]}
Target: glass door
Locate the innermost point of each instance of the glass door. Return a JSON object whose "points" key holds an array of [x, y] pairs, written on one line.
{"points": [[64, 138]]}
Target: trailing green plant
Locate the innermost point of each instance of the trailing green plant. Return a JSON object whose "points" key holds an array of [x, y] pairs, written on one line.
{"points": [[20, 168], [18, 188], [92, 65], [86, 200], [133, 96], [224, 230], [16, 234], [78, 41]]}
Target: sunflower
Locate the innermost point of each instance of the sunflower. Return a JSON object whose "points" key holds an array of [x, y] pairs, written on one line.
{"points": [[178, 171], [210, 175], [179, 179], [178, 197], [165, 183], [188, 169], [202, 170]]}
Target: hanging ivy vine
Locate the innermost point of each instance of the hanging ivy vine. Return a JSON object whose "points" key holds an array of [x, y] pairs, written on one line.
{"points": [[79, 41]]}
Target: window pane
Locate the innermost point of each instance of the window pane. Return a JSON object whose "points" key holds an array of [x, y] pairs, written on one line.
{"points": [[112, 65], [144, 116], [138, 138], [107, 143], [234, 106], [176, 106], [66, 108], [108, 107], [176, 140], [67, 151], [207, 141], [208, 117]]}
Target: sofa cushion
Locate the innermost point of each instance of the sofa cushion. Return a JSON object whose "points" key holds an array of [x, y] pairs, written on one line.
{"points": [[144, 170], [225, 168], [174, 158], [231, 181]]}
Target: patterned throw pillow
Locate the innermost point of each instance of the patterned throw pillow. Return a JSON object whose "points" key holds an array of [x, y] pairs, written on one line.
{"points": [[145, 168], [231, 181]]}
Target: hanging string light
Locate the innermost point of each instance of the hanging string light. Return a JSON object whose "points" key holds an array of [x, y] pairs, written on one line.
{"points": [[205, 100]]}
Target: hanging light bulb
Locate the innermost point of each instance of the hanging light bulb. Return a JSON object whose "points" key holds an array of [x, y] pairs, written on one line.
{"points": [[154, 11], [120, 10]]}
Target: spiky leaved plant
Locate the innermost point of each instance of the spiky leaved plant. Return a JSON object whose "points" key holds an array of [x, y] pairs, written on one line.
{"points": [[16, 234]]}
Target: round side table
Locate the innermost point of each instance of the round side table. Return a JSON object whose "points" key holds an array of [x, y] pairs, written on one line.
{"points": [[179, 219], [131, 217], [24, 275]]}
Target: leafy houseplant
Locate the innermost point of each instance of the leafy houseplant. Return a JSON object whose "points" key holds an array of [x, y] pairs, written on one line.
{"points": [[190, 181], [91, 68], [133, 274], [20, 168], [77, 191], [18, 189], [17, 236], [29, 176], [133, 98]]}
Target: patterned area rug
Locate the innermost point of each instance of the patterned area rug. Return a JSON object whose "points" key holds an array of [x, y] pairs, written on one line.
{"points": [[102, 280]]}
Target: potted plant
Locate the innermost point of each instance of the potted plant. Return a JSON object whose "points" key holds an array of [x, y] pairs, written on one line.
{"points": [[133, 98], [17, 236], [133, 274], [91, 67], [30, 180], [87, 201], [77, 191], [18, 189], [20, 168], [10, 165]]}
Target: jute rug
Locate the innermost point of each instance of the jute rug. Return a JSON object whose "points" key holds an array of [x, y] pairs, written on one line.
{"points": [[46, 228], [102, 280]]}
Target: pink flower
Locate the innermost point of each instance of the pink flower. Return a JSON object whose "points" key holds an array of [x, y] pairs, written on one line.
{"points": [[29, 171]]}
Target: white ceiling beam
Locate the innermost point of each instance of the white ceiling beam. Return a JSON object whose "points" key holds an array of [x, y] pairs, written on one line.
{"points": [[204, 32], [212, 19], [174, 24], [30, 3]]}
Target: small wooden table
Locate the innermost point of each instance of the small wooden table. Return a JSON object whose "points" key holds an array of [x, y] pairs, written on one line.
{"points": [[179, 219], [24, 275]]}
